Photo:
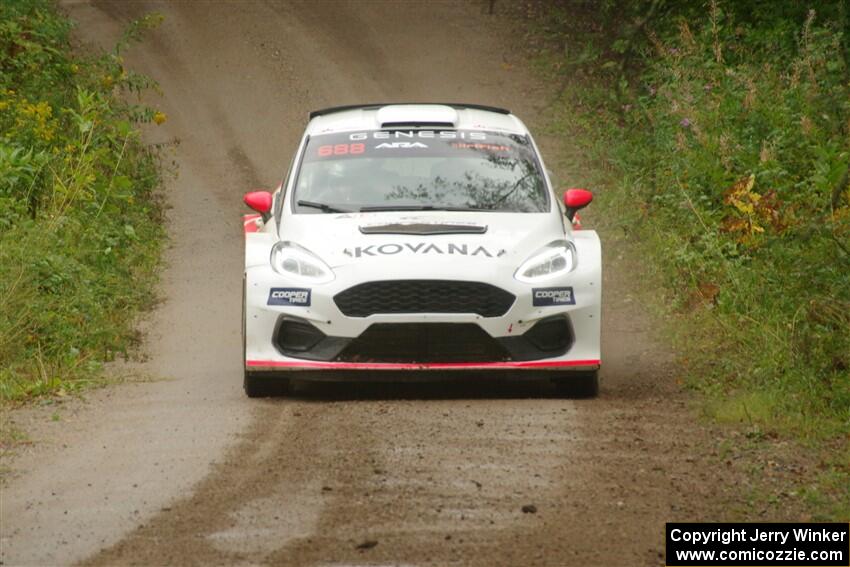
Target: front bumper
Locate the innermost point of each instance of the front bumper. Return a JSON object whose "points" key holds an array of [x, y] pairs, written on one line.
{"points": [[263, 352], [292, 364]]}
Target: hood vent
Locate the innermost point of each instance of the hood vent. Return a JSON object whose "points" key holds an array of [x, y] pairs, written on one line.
{"points": [[423, 229]]}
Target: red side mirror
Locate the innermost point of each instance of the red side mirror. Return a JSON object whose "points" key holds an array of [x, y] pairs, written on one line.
{"points": [[575, 199], [260, 201]]}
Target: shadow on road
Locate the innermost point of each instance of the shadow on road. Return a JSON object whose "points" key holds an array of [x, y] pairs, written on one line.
{"points": [[472, 388]]}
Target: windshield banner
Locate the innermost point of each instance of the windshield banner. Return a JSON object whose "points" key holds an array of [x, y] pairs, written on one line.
{"points": [[415, 143]]}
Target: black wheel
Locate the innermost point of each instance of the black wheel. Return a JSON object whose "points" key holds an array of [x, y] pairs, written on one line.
{"points": [[263, 385], [578, 384]]}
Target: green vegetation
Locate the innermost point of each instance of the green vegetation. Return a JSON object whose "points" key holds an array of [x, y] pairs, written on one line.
{"points": [[718, 135], [80, 225]]}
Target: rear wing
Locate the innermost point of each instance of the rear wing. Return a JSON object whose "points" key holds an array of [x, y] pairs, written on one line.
{"points": [[374, 106]]}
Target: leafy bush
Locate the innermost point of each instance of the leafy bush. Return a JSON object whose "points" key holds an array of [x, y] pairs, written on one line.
{"points": [[730, 131], [753, 191], [723, 133], [79, 220]]}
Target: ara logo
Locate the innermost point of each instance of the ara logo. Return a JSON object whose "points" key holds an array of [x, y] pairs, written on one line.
{"points": [[289, 296], [423, 249], [543, 296], [400, 145]]}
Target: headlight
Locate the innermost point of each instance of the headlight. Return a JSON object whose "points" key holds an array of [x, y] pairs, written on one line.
{"points": [[290, 259], [554, 259]]}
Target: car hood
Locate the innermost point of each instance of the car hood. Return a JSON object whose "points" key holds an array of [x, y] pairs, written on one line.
{"points": [[438, 239]]}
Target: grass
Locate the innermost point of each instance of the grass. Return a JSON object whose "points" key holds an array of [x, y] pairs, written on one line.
{"points": [[80, 219], [718, 138]]}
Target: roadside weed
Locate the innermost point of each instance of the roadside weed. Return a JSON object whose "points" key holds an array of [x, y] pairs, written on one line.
{"points": [[80, 220], [718, 137]]}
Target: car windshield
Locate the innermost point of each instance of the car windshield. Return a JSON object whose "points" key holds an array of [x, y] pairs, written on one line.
{"points": [[420, 170]]}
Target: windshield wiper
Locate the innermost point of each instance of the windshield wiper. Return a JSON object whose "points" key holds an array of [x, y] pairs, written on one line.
{"points": [[325, 208], [379, 208]]}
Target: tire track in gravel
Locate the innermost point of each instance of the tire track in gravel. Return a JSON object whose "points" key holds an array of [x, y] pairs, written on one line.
{"points": [[367, 469]]}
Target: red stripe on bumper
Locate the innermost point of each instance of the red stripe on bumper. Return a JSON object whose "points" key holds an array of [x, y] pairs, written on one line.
{"points": [[312, 365]]}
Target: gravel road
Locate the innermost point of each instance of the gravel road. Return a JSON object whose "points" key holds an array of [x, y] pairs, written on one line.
{"points": [[182, 469]]}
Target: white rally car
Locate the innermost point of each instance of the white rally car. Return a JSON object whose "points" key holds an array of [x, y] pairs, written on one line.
{"points": [[408, 239]]}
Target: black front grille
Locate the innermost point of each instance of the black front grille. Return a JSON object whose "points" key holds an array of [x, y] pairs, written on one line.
{"points": [[423, 296], [423, 343]]}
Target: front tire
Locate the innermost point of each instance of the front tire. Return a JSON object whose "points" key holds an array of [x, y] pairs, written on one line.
{"points": [[261, 385], [578, 384]]}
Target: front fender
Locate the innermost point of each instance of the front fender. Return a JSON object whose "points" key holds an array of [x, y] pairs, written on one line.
{"points": [[258, 241]]}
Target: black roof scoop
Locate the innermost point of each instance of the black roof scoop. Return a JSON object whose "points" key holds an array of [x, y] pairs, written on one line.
{"points": [[422, 229]]}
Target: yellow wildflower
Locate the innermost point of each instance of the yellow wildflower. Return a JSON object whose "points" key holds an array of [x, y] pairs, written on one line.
{"points": [[159, 117]]}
